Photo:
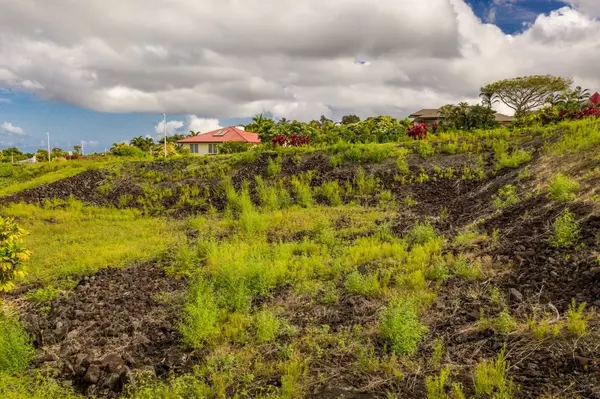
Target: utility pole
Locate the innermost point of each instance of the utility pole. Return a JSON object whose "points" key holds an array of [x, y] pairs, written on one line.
{"points": [[48, 134], [165, 131], [82, 152]]}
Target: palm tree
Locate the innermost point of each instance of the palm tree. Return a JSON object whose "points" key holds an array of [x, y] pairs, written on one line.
{"points": [[488, 98], [143, 143], [576, 96]]}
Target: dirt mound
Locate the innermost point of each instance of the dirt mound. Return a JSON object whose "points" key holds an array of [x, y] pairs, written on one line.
{"points": [[114, 324], [83, 186]]}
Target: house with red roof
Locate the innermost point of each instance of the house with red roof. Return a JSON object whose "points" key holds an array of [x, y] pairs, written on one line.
{"points": [[208, 143]]}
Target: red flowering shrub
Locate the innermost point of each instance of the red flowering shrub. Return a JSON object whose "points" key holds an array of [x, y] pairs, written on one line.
{"points": [[298, 140], [418, 131], [434, 127], [279, 139], [590, 111]]}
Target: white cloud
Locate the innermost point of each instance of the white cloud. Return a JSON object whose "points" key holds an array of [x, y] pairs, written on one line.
{"points": [[300, 65], [590, 7], [202, 125], [5, 101], [172, 128], [12, 129]]}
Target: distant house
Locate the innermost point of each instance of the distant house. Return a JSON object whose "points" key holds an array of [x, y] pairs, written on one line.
{"points": [[431, 115], [207, 143]]}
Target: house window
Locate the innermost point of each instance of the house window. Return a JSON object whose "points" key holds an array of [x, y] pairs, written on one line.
{"points": [[194, 148], [212, 148]]}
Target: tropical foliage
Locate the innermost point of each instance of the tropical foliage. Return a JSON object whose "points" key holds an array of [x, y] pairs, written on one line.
{"points": [[12, 252]]}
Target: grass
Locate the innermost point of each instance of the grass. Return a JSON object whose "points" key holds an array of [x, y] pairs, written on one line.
{"points": [[33, 386], [563, 188], [577, 320], [490, 378], [16, 349], [401, 327], [200, 315], [297, 280], [507, 196], [566, 231], [72, 239]]}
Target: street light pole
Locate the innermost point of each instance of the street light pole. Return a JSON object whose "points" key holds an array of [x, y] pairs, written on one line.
{"points": [[165, 131], [48, 134]]}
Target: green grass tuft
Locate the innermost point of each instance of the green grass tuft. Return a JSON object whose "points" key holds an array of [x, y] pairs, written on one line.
{"points": [[400, 325], [563, 188], [16, 349]]}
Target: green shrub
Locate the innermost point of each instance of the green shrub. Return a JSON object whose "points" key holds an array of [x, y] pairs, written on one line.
{"points": [[422, 233], [541, 328], [34, 385], [436, 386], [274, 167], [424, 149], [566, 231], [16, 349], [489, 378], [43, 295], [402, 165], [577, 321], [364, 184], [12, 253], [512, 160], [505, 323], [301, 190], [233, 147], [331, 192], [366, 285], [563, 188], [200, 315], [507, 196], [267, 195], [400, 325], [267, 326]]}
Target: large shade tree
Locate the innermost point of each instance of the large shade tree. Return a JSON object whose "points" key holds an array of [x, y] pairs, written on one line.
{"points": [[524, 94]]}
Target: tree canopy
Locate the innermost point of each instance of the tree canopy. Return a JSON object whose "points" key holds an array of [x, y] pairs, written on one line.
{"points": [[468, 117], [526, 93]]}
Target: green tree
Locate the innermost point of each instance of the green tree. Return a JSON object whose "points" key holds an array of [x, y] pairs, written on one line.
{"points": [[41, 155], [526, 93], [12, 253], [143, 143], [12, 151], [468, 117], [173, 139], [58, 152], [487, 97], [263, 125], [573, 98], [350, 119], [77, 149]]}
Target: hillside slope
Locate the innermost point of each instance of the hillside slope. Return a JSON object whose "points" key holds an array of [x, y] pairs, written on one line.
{"points": [[462, 266]]}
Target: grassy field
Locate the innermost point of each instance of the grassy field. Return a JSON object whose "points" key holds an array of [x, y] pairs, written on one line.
{"points": [[71, 239], [457, 267]]}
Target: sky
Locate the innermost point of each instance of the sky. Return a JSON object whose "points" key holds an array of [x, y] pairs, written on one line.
{"points": [[104, 72]]}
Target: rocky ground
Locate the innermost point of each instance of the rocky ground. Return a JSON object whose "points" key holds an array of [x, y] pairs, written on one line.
{"points": [[114, 324]]}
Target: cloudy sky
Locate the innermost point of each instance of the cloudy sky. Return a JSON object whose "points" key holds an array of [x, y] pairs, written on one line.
{"points": [[102, 72]]}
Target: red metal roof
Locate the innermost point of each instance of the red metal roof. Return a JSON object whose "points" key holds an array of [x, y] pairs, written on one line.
{"points": [[595, 99], [222, 135]]}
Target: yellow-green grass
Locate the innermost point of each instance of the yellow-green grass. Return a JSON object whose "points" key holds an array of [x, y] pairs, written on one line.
{"points": [[75, 239]]}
